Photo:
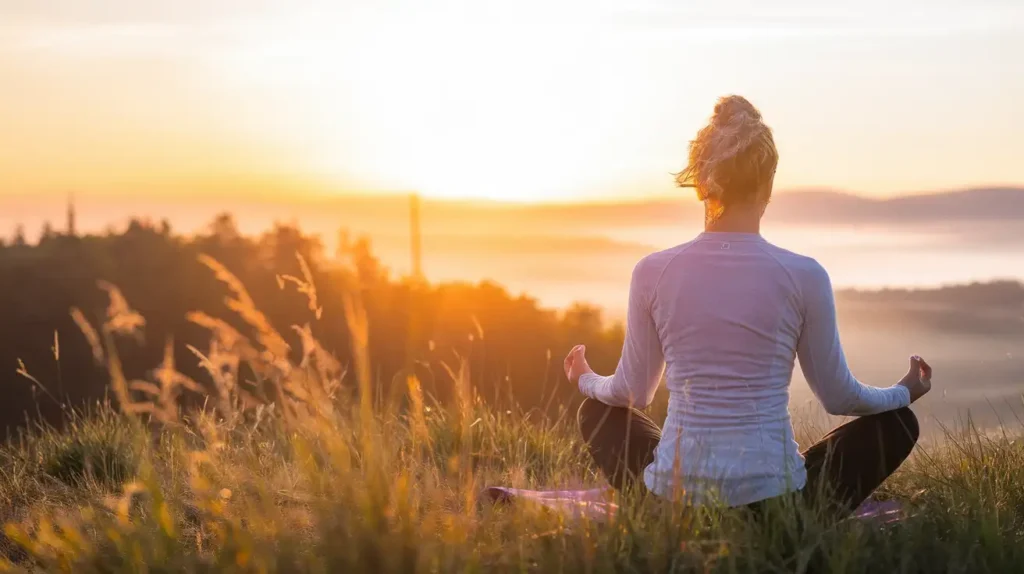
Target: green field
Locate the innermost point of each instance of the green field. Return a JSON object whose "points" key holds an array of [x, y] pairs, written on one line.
{"points": [[334, 477]]}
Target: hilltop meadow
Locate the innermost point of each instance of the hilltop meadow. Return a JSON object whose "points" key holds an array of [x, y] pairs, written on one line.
{"points": [[223, 403]]}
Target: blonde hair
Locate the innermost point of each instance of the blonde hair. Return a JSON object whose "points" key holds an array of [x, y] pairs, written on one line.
{"points": [[733, 158]]}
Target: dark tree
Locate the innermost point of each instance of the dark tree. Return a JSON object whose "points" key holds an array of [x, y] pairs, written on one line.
{"points": [[512, 345]]}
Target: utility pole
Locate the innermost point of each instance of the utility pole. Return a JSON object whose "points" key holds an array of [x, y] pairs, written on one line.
{"points": [[72, 228], [415, 234]]}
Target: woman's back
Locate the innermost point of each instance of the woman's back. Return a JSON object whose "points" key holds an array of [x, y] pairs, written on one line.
{"points": [[728, 312]]}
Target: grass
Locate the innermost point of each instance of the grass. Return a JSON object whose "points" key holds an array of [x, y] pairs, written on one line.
{"points": [[322, 478]]}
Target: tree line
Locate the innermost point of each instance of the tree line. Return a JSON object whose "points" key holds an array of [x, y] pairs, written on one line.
{"points": [[512, 346]]}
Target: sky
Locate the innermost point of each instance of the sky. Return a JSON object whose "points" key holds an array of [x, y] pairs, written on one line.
{"points": [[517, 100]]}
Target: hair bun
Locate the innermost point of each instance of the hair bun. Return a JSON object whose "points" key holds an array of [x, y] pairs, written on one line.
{"points": [[733, 158], [731, 109]]}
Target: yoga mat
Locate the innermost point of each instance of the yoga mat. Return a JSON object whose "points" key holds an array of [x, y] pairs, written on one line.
{"points": [[882, 511], [594, 504], [597, 503]]}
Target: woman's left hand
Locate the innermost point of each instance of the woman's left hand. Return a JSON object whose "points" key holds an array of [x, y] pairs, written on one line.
{"points": [[576, 364]]}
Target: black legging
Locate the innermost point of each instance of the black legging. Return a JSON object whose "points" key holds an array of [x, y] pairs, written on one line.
{"points": [[845, 466]]}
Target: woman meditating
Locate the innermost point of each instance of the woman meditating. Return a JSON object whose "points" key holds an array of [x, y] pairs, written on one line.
{"points": [[728, 313]]}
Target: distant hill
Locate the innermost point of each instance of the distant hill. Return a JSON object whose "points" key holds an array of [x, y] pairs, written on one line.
{"points": [[805, 207], [385, 215], [991, 309], [983, 204], [1006, 294]]}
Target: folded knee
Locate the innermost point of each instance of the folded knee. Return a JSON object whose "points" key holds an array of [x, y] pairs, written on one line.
{"points": [[589, 413], [904, 421]]}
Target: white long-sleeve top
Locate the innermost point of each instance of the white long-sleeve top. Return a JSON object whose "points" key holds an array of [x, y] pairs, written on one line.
{"points": [[729, 313]]}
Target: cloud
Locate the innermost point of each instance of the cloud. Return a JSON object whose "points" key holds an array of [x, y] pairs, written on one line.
{"points": [[116, 27], [95, 39], [183, 12], [740, 20]]}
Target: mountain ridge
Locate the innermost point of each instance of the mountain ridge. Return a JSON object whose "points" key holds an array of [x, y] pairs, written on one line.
{"points": [[806, 206], [1003, 206]]}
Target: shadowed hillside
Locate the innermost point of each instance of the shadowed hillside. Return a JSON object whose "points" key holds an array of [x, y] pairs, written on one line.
{"points": [[974, 334], [510, 342]]}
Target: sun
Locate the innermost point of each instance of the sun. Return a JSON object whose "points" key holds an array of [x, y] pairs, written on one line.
{"points": [[477, 163], [468, 140], [459, 115]]}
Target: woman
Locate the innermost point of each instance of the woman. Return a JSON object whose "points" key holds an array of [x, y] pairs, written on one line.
{"points": [[728, 313]]}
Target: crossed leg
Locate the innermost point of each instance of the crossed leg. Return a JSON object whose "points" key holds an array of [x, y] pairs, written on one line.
{"points": [[843, 468], [620, 440], [851, 461]]}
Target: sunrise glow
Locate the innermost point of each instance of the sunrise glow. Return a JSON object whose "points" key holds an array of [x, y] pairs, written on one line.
{"points": [[526, 102]]}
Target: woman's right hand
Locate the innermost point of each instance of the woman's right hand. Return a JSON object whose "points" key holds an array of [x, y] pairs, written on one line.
{"points": [[919, 379], [576, 364]]}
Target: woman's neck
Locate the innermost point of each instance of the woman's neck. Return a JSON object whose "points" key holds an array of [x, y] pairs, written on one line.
{"points": [[745, 218]]}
